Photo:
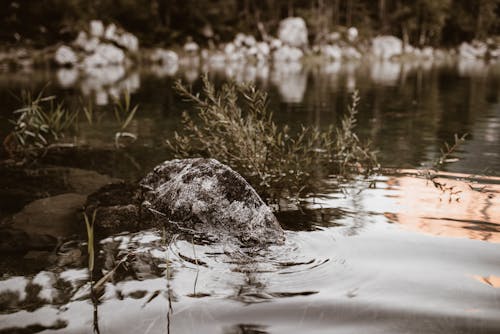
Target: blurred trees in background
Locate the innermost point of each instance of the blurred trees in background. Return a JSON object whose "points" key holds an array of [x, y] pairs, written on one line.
{"points": [[167, 22]]}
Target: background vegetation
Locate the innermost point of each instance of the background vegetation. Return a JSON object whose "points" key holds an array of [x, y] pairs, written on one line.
{"points": [[166, 22]]}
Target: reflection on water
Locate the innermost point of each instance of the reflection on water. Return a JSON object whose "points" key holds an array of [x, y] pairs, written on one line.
{"points": [[402, 256], [491, 280], [466, 209]]}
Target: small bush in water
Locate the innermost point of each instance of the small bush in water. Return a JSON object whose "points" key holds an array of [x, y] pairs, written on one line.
{"points": [[234, 125]]}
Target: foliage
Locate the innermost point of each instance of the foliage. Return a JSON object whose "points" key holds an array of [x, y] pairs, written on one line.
{"points": [[124, 114], [447, 151], [89, 224], [40, 122], [233, 125], [171, 21]]}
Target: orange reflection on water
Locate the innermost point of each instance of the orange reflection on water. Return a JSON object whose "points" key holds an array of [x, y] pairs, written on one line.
{"points": [[491, 280], [468, 210]]}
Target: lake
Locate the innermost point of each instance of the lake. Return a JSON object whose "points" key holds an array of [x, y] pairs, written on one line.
{"points": [[403, 255]]}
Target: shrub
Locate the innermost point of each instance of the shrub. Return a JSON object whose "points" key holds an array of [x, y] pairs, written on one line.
{"points": [[233, 125]]}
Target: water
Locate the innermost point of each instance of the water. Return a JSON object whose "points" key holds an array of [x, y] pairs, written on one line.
{"points": [[403, 256]]}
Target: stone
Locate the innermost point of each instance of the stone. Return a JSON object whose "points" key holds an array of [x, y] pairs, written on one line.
{"points": [[351, 53], [386, 47], [352, 34], [110, 32], [164, 57], [105, 55], [293, 32], [209, 197], [129, 42], [200, 196], [96, 28], [55, 216], [331, 52], [65, 56], [191, 47], [475, 50], [288, 54]]}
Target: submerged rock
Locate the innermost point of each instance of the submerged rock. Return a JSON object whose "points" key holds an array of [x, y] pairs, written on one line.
{"points": [[200, 196]]}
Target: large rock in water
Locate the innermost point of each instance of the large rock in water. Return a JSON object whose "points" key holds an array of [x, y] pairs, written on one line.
{"points": [[199, 196], [208, 197]]}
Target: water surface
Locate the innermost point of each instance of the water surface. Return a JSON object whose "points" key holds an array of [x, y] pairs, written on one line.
{"points": [[402, 256]]}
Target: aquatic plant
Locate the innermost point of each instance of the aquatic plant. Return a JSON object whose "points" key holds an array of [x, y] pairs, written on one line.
{"points": [[233, 124], [89, 224], [40, 122], [124, 114]]}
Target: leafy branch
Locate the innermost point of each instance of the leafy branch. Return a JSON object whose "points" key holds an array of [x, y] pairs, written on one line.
{"points": [[233, 124]]}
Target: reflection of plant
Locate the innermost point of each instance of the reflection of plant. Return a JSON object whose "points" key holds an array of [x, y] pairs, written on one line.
{"points": [[244, 136], [40, 122], [124, 114]]}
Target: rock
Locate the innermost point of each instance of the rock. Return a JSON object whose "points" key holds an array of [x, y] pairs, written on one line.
{"points": [[191, 47], [105, 55], [129, 42], [288, 54], [475, 50], [54, 216], [293, 32], [351, 53], [65, 56], [352, 34], [110, 32], [20, 186], [96, 28], [263, 49], [85, 43], [165, 57], [199, 196], [386, 47], [331, 52], [427, 52], [275, 44], [118, 208], [208, 197]]}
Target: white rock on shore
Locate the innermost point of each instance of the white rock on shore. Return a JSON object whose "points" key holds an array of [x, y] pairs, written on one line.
{"points": [[164, 57], [288, 54], [65, 56], [386, 47], [474, 50], [293, 32], [104, 55]]}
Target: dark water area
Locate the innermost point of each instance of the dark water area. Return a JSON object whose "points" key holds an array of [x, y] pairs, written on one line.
{"points": [[400, 257]]}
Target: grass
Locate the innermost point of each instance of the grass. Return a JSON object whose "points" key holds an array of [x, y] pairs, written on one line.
{"points": [[40, 122], [233, 125], [124, 114], [43, 121], [89, 224]]}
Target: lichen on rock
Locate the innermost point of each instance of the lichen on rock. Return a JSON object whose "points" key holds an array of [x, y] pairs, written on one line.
{"points": [[198, 196], [208, 197]]}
